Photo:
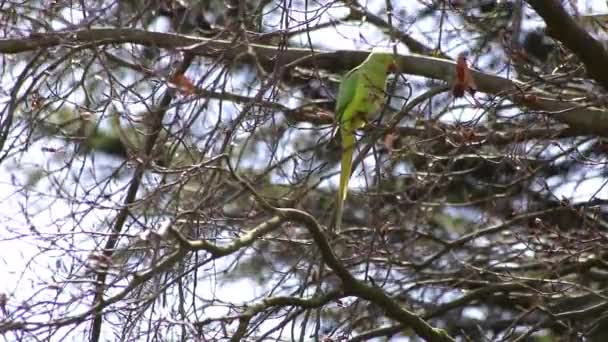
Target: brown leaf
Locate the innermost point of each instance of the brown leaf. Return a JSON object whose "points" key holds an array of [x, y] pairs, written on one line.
{"points": [[529, 100], [389, 141], [464, 79], [458, 90], [457, 3], [37, 101], [183, 83]]}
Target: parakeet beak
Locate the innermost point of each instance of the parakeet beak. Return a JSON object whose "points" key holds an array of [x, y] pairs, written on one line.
{"points": [[393, 67]]}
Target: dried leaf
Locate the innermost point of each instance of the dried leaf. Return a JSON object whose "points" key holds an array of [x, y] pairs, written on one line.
{"points": [[464, 79], [183, 83], [389, 141], [458, 89], [457, 3], [37, 101], [529, 100]]}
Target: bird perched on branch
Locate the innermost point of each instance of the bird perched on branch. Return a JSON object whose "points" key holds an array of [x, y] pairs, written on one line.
{"points": [[360, 96]]}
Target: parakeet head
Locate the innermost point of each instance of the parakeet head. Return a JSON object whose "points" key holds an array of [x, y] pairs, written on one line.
{"points": [[384, 60]]}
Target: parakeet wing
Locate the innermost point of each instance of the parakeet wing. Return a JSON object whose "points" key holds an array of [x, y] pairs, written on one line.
{"points": [[346, 93]]}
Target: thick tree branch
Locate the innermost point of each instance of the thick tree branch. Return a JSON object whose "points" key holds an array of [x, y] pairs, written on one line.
{"points": [[582, 118], [357, 288], [351, 285], [254, 309]]}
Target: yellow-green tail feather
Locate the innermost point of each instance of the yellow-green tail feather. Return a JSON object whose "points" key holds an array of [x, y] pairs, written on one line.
{"points": [[348, 144]]}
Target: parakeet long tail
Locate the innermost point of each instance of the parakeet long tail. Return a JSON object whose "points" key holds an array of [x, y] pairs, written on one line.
{"points": [[348, 143]]}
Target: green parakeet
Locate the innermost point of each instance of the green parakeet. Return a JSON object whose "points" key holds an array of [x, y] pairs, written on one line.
{"points": [[361, 94]]}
